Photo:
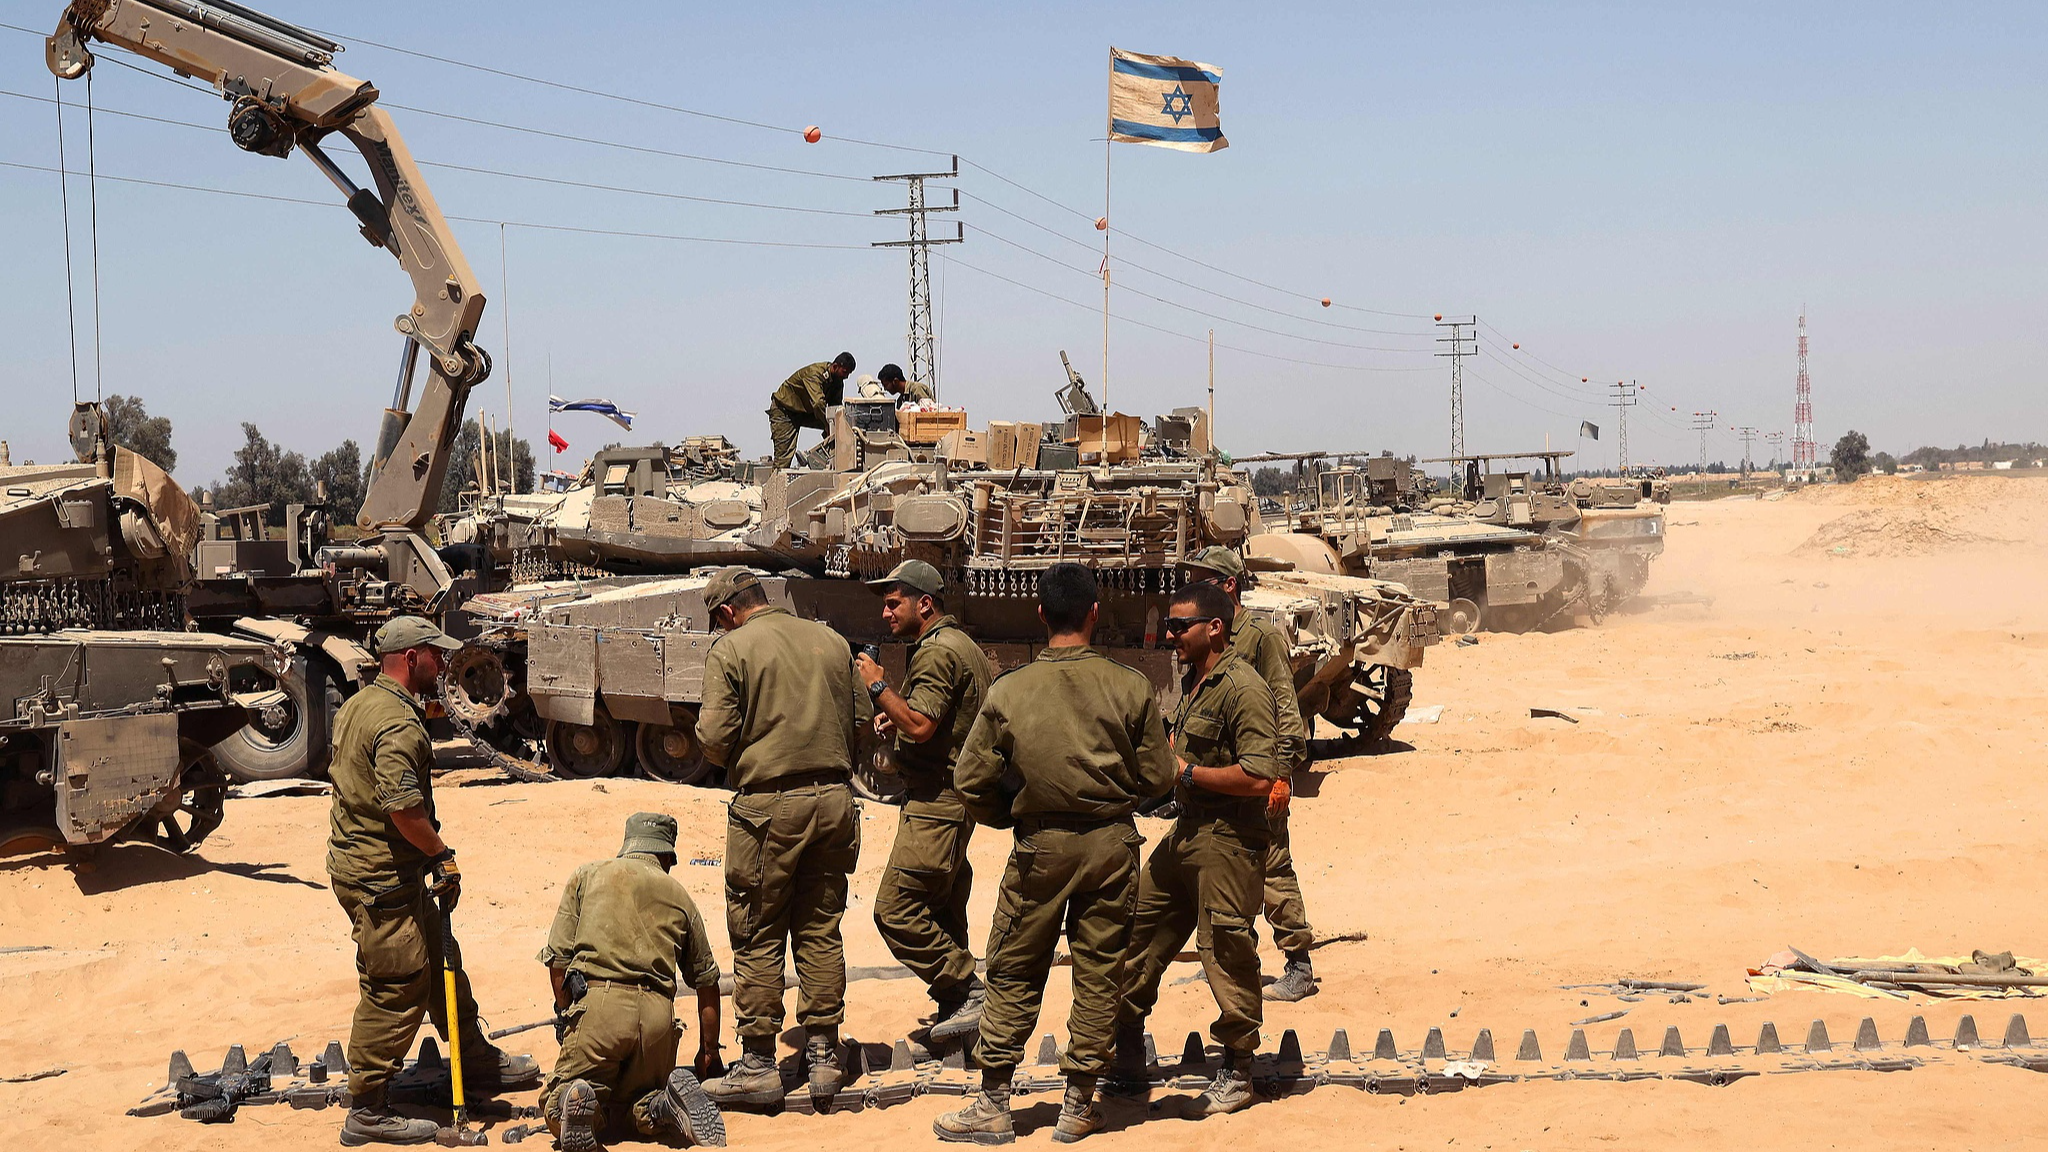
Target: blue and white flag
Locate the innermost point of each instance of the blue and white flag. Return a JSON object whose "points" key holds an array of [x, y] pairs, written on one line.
{"points": [[603, 408], [1164, 100]]}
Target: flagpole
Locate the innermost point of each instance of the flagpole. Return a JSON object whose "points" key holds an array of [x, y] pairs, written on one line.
{"points": [[1212, 389], [505, 309], [1108, 143]]}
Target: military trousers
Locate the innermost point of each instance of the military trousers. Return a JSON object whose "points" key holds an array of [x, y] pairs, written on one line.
{"points": [[1204, 880], [787, 858], [921, 906], [622, 1040], [1284, 908], [1082, 880], [397, 931], [783, 426]]}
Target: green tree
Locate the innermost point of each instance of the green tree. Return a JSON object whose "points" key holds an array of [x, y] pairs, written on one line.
{"points": [[263, 473], [1851, 456], [462, 468], [1271, 482], [342, 471], [133, 428], [1885, 463]]}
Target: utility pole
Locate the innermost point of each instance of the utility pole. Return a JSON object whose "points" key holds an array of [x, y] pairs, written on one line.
{"points": [[1748, 435], [1462, 345], [1777, 443], [1703, 423], [924, 363], [1624, 399]]}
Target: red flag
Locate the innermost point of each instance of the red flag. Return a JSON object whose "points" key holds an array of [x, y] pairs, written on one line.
{"points": [[556, 442]]}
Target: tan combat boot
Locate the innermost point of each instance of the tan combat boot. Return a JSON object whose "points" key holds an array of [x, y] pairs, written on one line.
{"points": [[986, 1119], [577, 1108], [754, 1080], [1078, 1114]]}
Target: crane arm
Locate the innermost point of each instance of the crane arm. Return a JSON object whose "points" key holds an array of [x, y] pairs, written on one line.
{"points": [[286, 93]]}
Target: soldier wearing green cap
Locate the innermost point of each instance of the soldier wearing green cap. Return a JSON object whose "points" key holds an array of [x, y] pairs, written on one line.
{"points": [[1257, 643], [921, 907], [778, 715], [387, 863], [626, 935]]}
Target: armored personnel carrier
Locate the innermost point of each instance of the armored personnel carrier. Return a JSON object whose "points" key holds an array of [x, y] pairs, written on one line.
{"points": [[608, 671], [111, 707]]}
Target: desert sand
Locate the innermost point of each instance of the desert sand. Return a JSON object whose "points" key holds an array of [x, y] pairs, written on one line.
{"points": [[1842, 753]]}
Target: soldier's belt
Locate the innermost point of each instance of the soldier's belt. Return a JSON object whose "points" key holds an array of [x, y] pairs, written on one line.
{"points": [[795, 781], [1026, 825]]}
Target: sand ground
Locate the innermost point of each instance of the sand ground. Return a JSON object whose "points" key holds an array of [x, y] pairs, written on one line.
{"points": [[1841, 753]]}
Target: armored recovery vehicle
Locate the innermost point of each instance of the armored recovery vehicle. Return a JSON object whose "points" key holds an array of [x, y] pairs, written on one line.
{"points": [[108, 707]]}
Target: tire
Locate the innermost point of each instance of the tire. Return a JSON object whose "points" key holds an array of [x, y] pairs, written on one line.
{"points": [[585, 752], [868, 780], [670, 752], [29, 839], [1372, 714], [292, 740]]}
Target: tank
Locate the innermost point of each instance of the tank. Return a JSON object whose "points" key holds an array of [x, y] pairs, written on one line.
{"points": [[605, 673], [115, 707]]}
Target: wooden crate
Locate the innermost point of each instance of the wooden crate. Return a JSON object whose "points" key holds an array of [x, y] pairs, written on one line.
{"points": [[928, 427]]}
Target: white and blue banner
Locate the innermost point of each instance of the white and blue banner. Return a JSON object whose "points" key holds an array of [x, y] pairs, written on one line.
{"points": [[605, 408], [1164, 101]]}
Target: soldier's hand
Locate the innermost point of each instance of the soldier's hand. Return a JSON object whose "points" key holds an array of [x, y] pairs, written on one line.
{"points": [[708, 1066], [1276, 800], [561, 1028], [883, 725], [870, 673], [444, 880]]}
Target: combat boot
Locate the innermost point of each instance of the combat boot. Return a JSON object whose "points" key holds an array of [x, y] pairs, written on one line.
{"points": [[962, 1016], [1127, 1072], [754, 1080], [682, 1109], [488, 1069], [986, 1119], [371, 1121], [576, 1112], [1297, 980], [1078, 1114], [1230, 1091], [821, 1055]]}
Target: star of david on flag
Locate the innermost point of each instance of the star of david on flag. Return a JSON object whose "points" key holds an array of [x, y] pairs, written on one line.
{"points": [[604, 408], [1164, 101]]}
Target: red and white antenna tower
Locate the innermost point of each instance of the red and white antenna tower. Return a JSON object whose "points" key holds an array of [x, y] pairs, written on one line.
{"points": [[1802, 409]]}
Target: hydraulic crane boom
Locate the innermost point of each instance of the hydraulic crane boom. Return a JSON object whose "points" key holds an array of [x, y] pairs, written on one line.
{"points": [[286, 93]]}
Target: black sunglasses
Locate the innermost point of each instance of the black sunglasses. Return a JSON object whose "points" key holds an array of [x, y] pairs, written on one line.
{"points": [[1175, 625]]}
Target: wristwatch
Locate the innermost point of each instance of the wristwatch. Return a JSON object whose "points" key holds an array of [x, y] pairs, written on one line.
{"points": [[1187, 776], [876, 689]]}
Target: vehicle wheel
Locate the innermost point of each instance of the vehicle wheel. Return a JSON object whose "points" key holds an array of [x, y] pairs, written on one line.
{"points": [[1461, 618], [869, 781], [189, 814], [584, 751], [290, 738], [29, 839], [1377, 700], [670, 752]]}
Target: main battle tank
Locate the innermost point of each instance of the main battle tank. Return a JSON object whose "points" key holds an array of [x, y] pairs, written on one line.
{"points": [[113, 706], [607, 671]]}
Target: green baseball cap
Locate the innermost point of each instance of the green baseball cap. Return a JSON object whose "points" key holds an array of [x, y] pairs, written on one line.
{"points": [[1222, 561], [727, 583], [412, 632], [649, 832], [913, 574]]}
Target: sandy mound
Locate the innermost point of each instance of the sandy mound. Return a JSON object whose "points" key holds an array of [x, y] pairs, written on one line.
{"points": [[1890, 532], [1947, 493]]}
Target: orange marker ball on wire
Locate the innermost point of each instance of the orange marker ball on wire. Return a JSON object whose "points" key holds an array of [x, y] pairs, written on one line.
{"points": [[1518, 345], [1102, 223], [813, 134], [1439, 315], [1326, 301]]}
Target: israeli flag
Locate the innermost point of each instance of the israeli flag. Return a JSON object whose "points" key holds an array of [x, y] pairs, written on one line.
{"points": [[1164, 101], [604, 408]]}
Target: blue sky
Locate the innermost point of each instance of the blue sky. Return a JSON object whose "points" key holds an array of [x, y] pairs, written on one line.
{"points": [[1629, 191]]}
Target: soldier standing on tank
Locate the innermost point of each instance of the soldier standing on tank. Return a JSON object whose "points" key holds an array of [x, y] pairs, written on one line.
{"points": [[1065, 750], [802, 400], [1205, 878], [1259, 644], [921, 907], [388, 864], [625, 935], [778, 715]]}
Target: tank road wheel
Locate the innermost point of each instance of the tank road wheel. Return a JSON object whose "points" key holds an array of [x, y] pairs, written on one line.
{"points": [[1462, 618], [474, 686], [288, 738], [187, 815], [670, 752], [1376, 700], [29, 839], [874, 772], [584, 751]]}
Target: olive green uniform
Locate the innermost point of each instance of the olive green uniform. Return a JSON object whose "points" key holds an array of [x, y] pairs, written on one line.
{"points": [[921, 907], [1065, 750], [383, 764], [634, 934], [801, 403], [1261, 645], [778, 714], [915, 392], [1205, 878]]}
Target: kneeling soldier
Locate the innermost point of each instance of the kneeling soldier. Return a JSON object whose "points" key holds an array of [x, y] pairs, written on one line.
{"points": [[921, 908], [625, 935], [1206, 877]]}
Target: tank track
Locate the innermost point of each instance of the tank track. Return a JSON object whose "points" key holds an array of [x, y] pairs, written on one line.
{"points": [[114, 604]]}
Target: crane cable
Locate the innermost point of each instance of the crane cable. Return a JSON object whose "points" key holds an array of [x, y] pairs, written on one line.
{"points": [[64, 194], [92, 181]]}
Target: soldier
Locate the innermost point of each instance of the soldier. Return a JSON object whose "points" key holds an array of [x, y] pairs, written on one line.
{"points": [[1257, 643], [625, 934], [778, 716], [802, 400], [1204, 879], [921, 908], [1065, 750], [387, 864], [905, 391]]}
